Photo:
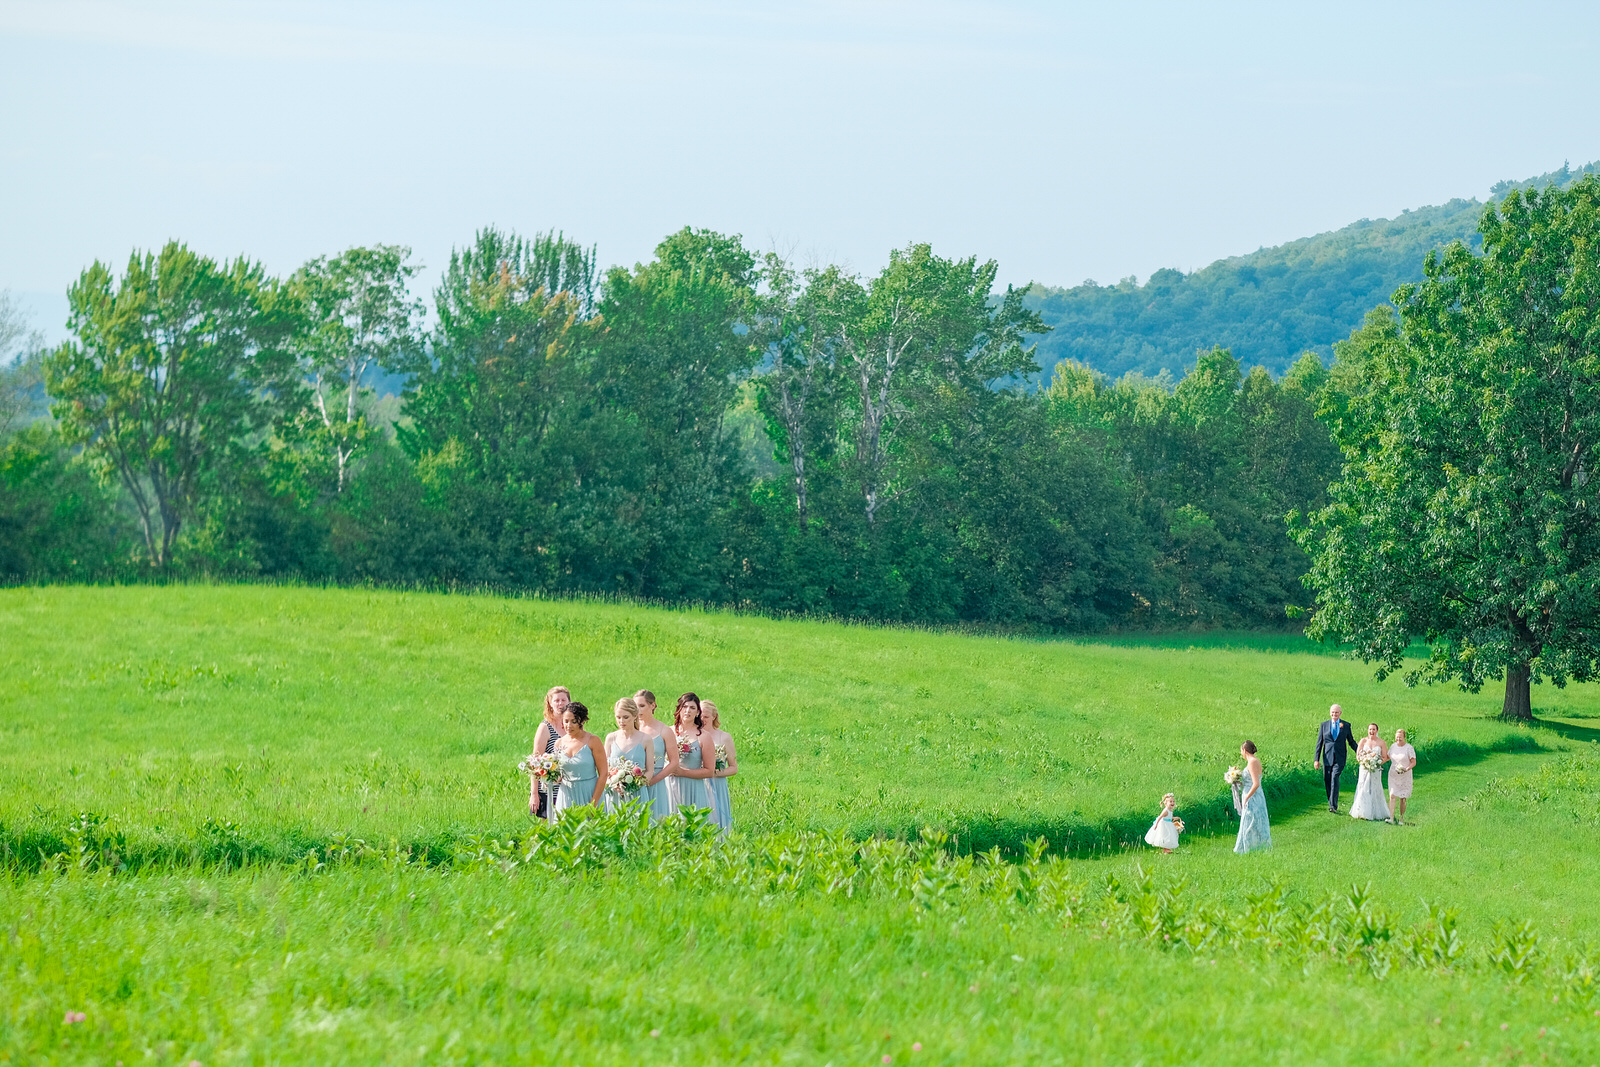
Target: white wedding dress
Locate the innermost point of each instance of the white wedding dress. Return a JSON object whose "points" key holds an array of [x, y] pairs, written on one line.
{"points": [[1369, 802]]}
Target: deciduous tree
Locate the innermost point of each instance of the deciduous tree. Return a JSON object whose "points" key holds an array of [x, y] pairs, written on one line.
{"points": [[1466, 513]]}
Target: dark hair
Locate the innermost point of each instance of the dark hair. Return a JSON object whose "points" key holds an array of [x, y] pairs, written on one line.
{"points": [[647, 696], [1250, 747], [677, 713], [579, 712], [1372, 726]]}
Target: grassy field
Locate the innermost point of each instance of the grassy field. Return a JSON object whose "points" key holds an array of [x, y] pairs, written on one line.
{"points": [[244, 723]]}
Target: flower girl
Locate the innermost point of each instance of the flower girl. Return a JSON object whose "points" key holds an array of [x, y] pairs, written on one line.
{"points": [[1163, 833]]}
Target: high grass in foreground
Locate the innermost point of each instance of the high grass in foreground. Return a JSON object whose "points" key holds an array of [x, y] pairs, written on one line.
{"points": [[277, 825]]}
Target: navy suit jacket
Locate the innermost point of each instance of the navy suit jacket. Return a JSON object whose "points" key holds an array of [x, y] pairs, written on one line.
{"points": [[1330, 745]]}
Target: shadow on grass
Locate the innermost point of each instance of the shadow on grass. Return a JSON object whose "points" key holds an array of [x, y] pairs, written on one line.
{"points": [[1569, 731], [1289, 795]]}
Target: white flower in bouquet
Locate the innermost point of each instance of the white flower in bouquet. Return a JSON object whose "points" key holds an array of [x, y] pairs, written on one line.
{"points": [[1233, 776], [722, 758], [547, 767], [626, 778]]}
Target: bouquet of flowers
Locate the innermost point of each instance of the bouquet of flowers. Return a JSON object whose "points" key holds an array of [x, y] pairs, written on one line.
{"points": [[546, 767], [722, 759], [685, 746], [1370, 761], [626, 778], [1232, 775]]}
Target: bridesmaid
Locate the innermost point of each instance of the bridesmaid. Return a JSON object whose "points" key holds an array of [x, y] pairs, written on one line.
{"points": [[585, 777], [664, 747], [630, 743], [1254, 830], [544, 740], [721, 806], [687, 783]]}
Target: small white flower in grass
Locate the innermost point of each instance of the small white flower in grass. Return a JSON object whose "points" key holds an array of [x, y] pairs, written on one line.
{"points": [[655, 1033], [916, 1046], [1016, 957]]}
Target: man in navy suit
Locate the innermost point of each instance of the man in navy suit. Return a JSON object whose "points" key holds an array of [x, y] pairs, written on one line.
{"points": [[1332, 737]]}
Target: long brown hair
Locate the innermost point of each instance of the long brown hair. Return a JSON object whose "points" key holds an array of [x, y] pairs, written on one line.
{"points": [[677, 713]]}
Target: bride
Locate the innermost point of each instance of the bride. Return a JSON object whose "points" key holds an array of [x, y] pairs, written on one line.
{"points": [[1370, 802]]}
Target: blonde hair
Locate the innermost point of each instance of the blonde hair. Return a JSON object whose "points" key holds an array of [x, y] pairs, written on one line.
{"points": [[1169, 796], [709, 709], [626, 704], [554, 689]]}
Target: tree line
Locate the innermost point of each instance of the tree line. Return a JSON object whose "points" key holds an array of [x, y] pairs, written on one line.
{"points": [[715, 425]]}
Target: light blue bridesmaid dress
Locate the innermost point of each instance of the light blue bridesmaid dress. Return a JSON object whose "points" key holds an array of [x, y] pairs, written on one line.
{"points": [[721, 807], [636, 753], [689, 792], [577, 784], [1254, 830], [659, 796]]}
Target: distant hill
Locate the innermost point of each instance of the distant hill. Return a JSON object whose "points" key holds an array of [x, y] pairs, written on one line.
{"points": [[1268, 306]]}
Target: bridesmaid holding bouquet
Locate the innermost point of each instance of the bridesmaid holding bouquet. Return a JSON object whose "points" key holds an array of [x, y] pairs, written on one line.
{"points": [[687, 783], [664, 750], [584, 778], [627, 742], [725, 765]]}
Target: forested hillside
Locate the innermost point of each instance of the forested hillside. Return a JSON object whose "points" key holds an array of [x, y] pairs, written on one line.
{"points": [[1267, 307]]}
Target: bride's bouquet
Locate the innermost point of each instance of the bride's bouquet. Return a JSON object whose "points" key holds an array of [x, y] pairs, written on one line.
{"points": [[1370, 761], [546, 767], [626, 778], [722, 759]]}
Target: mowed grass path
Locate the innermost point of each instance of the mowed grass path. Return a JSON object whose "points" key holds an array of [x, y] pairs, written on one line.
{"points": [[387, 714], [303, 714]]}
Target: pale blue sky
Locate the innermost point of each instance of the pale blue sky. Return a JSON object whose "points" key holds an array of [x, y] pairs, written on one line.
{"points": [[1066, 141]]}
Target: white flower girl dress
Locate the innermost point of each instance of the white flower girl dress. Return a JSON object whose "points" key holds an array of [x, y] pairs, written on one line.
{"points": [[1162, 833]]}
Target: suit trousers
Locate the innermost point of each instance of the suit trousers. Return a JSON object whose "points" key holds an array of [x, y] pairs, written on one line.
{"points": [[1331, 773]]}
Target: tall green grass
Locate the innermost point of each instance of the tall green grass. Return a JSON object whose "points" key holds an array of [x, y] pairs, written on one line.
{"points": [[176, 763]]}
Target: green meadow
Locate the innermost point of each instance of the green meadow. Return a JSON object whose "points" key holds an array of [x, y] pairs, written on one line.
{"points": [[262, 825]]}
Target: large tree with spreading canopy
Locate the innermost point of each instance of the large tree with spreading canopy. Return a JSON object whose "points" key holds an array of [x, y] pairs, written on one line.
{"points": [[1467, 512]]}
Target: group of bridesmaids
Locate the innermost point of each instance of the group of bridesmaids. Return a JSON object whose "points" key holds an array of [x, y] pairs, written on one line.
{"points": [[681, 760]]}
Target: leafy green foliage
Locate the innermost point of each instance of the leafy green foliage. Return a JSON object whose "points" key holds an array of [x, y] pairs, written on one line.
{"points": [[1464, 512], [1267, 307]]}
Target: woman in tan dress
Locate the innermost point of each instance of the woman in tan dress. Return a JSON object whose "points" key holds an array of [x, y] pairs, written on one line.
{"points": [[1402, 759]]}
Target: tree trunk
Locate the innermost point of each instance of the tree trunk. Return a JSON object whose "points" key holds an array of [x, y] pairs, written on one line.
{"points": [[1519, 694]]}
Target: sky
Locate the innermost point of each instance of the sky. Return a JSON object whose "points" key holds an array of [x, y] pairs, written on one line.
{"points": [[1065, 141]]}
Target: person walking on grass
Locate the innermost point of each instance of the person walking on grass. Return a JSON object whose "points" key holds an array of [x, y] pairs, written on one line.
{"points": [[627, 742], [1333, 740], [544, 741], [1402, 761], [1163, 833], [584, 777], [664, 748], [1255, 829], [724, 766], [687, 783], [1369, 802]]}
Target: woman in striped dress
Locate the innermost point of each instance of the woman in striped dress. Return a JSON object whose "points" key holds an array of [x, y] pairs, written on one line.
{"points": [[687, 784], [544, 741], [664, 750], [717, 784]]}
